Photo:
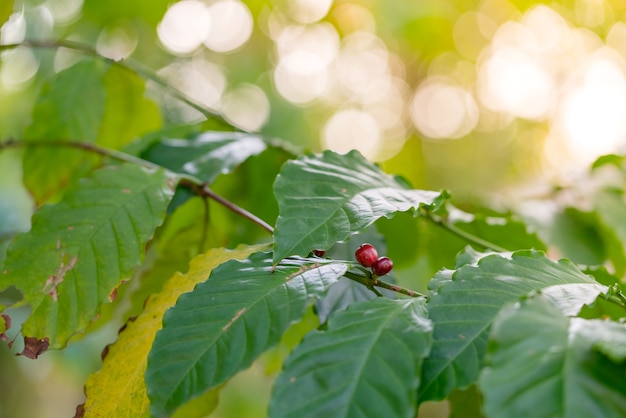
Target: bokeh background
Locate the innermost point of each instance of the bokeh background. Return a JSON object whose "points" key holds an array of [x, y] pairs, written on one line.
{"points": [[494, 100]]}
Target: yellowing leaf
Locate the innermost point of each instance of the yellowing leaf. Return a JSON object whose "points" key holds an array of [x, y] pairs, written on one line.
{"points": [[118, 388]]}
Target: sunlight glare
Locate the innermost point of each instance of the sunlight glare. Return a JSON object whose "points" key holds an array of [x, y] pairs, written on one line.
{"points": [[185, 25], [309, 11], [246, 107], [352, 129], [231, 27], [442, 110]]}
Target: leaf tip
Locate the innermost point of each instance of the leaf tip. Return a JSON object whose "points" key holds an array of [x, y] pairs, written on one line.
{"points": [[33, 347]]}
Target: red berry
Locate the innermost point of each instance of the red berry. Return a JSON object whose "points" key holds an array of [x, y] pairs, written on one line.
{"points": [[319, 253], [366, 255], [382, 266]]}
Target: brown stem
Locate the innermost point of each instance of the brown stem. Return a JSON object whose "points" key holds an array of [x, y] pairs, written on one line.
{"points": [[204, 190], [200, 188]]}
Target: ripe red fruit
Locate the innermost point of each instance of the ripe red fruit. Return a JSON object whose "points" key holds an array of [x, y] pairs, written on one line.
{"points": [[319, 253], [382, 266], [366, 255]]}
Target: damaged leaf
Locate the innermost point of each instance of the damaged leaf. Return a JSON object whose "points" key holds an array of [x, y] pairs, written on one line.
{"points": [[80, 249], [125, 361]]}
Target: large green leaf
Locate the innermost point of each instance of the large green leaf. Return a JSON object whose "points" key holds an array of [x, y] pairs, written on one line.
{"points": [[325, 198], [365, 364], [79, 250], [227, 321], [541, 363], [70, 107], [206, 155], [465, 303], [610, 207]]}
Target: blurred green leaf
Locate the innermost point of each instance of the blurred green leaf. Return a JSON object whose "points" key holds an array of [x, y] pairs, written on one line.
{"points": [[6, 9], [79, 250], [205, 156], [366, 363], [127, 112], [465, 303], [70, 107], [610, 207], [466, 403], [327, 197], [229, 320], [566, 367]]}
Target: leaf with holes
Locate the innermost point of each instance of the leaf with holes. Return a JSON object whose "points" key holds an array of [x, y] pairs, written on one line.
{"points": [[541, 363], [325, 198], [365, 364], [229, 320], [127, 358], [205, 156], [79, 250], [465, 303]]}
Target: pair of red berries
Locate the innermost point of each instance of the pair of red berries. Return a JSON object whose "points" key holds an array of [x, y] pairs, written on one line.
{"points": [[367, 256]]}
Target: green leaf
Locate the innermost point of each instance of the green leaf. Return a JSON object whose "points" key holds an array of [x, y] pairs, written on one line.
{"points": [[541, 363], [127, 113], [205, 156], [576, 235], [127, 358], [465, 304], [79, 250], [228, 321], [325, 198], [365, 364], [570, 298], [69, 107], [610, 207]]}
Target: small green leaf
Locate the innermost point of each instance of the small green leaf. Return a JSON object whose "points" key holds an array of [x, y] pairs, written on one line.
{"points": [[365, 364], [70, 107], [541, 363], [205, 156], [610, 207], [465, 304], [325, 198], [79, 250], [229, 320]]}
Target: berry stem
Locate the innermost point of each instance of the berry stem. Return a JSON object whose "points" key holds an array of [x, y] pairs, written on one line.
{"points": [[372, 282]]}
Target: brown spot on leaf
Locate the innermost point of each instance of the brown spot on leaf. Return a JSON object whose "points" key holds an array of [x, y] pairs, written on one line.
{"points": [[234, 318], [7, 325], [70, 228], [80, 411], [105, 352], [127, 191], [5, 271], [461, 336], [33, 347], [113, 295], [50, 287]]}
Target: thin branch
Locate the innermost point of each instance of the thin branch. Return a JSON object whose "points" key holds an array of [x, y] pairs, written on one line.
{"points": [[128, 64], [204, 190], [397, 289], [464, 235], [370, 282], [85, 146], [201, 189]]}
